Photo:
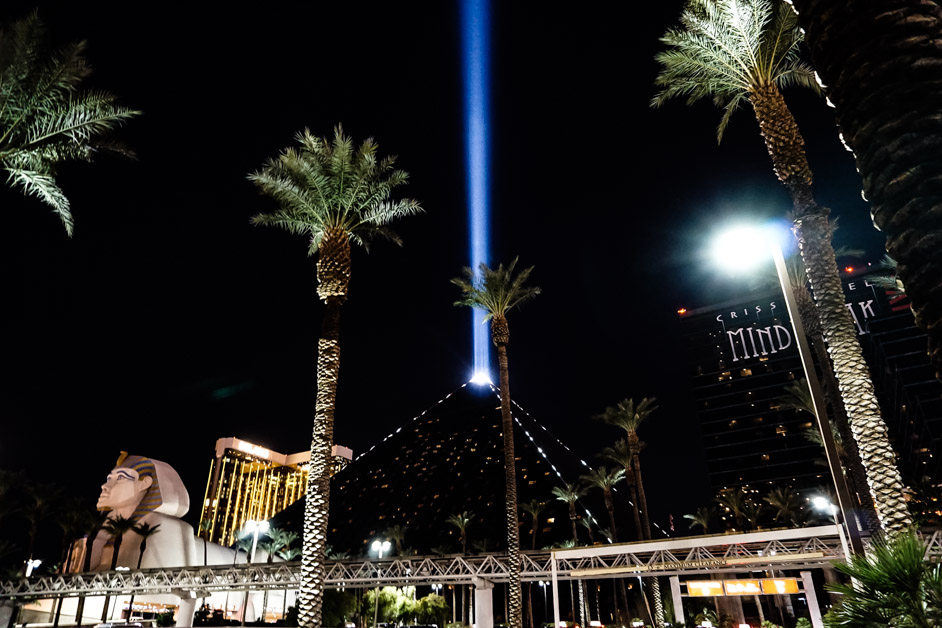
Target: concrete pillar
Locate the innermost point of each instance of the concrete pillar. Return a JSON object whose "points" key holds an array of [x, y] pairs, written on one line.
{"points": [[483, 603], [812, 599], [679, 617], [186, 610]]}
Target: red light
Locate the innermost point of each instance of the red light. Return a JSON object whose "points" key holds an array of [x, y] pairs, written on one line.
{"points": [[682, 310], [848, 269]]}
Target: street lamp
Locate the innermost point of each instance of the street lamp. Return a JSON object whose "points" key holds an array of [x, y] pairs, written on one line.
{"points": [[823, 504], [255, 528], [543, 585], [748, 246], [380, 548], [31, 564]]}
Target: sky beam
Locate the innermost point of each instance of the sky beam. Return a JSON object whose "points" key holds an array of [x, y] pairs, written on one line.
{"points": [[476, 67]]}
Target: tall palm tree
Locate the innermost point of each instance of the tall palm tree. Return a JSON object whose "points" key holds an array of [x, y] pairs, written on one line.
{"points": [[335, 194], [570, 494], [886, 99], [145, 531], [621, 455], [206, 526], [497, 292], [462, 521], [47, 118], [628, 416], [534, 508], [745, 50], [605, 480]]}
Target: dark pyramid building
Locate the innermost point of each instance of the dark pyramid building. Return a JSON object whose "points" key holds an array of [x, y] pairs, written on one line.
{"points": [[446, 461]]}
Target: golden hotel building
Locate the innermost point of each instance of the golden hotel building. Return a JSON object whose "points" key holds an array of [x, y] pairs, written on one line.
{"points": [[249, 482]]}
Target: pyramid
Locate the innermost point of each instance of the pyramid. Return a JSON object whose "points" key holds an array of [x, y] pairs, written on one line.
{"points": [[445, 461]]}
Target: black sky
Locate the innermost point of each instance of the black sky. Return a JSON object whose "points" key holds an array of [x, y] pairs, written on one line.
{"points": [[168, 321]]}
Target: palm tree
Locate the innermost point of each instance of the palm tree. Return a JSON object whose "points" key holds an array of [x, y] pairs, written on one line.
{"points": [[534, 508], [886, 100], [628, 416], [605, 479], [144, 530], [587, 523], [621, 455], [733, 501], [497, 292], [47, 118], [462, 522], [892, 585], [206, 526], [117, 527], [701, 518], [41, 501], [398, 535], [785, 503], [738, 50], [752, 511], [570, 494], [334, 194]]}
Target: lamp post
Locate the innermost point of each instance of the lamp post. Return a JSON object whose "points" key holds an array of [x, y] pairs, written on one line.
{"points": [[543, 586], [255, 528], [756, 242], [379, 548], [825, 505]]}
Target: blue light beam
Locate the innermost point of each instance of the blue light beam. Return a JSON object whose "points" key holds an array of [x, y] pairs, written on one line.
{"points": [[476, 68]]}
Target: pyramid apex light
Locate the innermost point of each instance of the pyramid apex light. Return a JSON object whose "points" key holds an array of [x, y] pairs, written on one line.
{"points": [[481, 378]]}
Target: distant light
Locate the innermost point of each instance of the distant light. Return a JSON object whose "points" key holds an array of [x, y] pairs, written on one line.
{"points": [[481, 378], [848, 269], [682, 311]]}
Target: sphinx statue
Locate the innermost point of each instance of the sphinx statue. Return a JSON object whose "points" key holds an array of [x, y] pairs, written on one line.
{"points": [[150, 491]]}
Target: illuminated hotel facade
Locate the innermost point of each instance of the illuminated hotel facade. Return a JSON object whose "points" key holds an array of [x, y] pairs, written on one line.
{"points": [[249, 482]]}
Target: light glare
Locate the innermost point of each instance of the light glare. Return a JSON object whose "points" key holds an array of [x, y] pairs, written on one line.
{"points": [[481, 378]]}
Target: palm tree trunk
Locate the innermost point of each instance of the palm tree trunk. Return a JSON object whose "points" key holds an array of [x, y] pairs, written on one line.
{"points": [[786, 147], [635, 509], [856, 476], [887, 102], [316, 508], [510, 481], [642, 497]]}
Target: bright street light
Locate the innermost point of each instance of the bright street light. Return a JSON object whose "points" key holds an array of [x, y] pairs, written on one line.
{"points": [[742, 247], [255, 528], [380, 548], [823, 504]]}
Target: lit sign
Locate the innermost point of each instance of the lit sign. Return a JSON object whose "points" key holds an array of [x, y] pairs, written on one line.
{"points": [[742, 587], [253, 450], [719, 588], [704, 588], [779, 586]]}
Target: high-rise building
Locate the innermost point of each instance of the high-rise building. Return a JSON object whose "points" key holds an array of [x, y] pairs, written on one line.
{"points": [[249, 482], [743, 358]]}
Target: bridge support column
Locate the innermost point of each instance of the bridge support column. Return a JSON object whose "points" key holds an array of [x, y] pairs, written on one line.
{"points": [[483, 603], [679, 616], [812, 598], [187, 608]]}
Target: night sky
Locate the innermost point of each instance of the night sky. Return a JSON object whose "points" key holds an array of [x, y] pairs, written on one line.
{"points": [[168, 321]]}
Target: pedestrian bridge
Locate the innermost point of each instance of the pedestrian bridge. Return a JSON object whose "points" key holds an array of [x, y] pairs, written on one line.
{"points": [[800, 550]]}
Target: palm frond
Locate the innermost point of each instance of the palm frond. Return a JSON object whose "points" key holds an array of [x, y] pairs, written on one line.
{"points": [[496, 290]]}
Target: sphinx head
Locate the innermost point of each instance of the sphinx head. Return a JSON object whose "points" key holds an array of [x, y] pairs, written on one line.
{"points": [[138, 486]]}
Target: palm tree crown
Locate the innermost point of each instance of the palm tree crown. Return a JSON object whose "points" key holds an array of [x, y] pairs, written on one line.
{"points": [[496, 292], [46, 117], [334, 194], [729, 50]]}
